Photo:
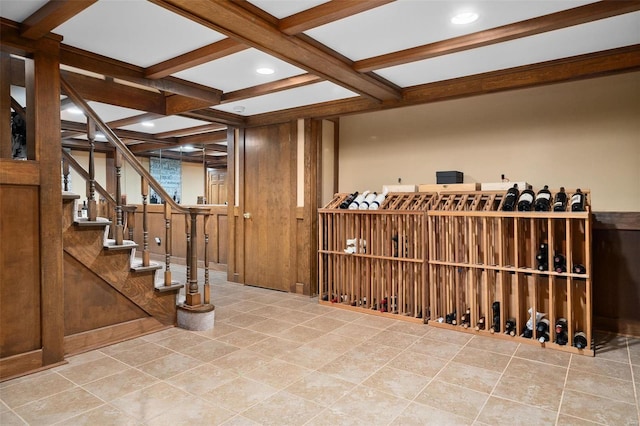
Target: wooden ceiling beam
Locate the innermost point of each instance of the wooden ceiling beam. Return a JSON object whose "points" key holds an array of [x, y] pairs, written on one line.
{"points": [[122, 134], [215, 116], [207, 138], [175, 142], [50, 16], [136, 119], [274, 86], [566, 18], [326, 13], [84, 60], [191, 130], [194, 58], [237, 22]]}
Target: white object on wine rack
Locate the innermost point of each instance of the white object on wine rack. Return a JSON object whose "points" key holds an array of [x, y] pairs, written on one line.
{"points": [[354, 205], [367, 201]]}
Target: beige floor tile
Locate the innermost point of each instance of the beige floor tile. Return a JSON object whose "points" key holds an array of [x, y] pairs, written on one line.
{"points": [[33, 388], [225, 313], [483, 359], [372, 351], [309, 356], [332, 342], [331, 417], [537, 393], [246, 306], [449, 336], [208, 350], [202, 379], [611, 347], [324, 323], [356, 332], [123, 346], [317, 309], [437, 348], [270, 326], [242, 338], [320, 388], [274, 347], [182, 340], [419, 330], [93, 370], [595, 365], [375, 321], [242, 361], [3, 407], [105, 415], [400, 383], [343, 314], [151, 402], [301, 334], [82, 358], [278, 374], [474, 378], [594, 384], [417, 363], [370, 405], [169, 366], [533, 370], [504, 347], [239, 394], [498, 411], [142, 354], [293, 303], [598, 409], [458, 400], [58, 407], [192, 411], [268, 311], [219, 329], [295, 317], [548, 356], [395, 339], [9, 418], [160, 335], [346, 367], [239, 420], [245, 320], [564, 420], [283, 409], [419, 415], [634, 350], [120, 384]]}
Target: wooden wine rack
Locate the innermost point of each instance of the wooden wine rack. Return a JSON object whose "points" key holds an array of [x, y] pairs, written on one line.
{"points": [[479, 255], [384, 268], [429, 255]]}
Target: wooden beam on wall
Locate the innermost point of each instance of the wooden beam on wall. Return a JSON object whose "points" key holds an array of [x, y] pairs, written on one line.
{"points": [[273, 87], [5, 105]]}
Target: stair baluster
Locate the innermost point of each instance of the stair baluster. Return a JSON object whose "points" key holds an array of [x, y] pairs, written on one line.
{"points": [[119, 234], [187, 230], [207, 288], [92, 207], [65, 175], [144, 189], [167, 244]]}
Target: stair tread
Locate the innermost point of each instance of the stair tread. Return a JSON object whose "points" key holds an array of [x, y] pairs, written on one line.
{"points": [[110, 244], [83, 221], [161, 288], [136, 266]]}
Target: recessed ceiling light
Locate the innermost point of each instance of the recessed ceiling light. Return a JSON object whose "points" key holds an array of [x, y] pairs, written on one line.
{"points": [[74, 110], [147, 124], [464, 18], [239, 109], [101, 137], [265, 71]]}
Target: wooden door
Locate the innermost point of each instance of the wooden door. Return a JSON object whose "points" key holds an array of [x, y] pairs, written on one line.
{"points": [[216, 186], [269, 207]]}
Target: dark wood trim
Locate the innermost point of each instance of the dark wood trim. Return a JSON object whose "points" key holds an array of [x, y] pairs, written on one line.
{"points": [[49, 154], [20, 364], [624, 326], [619, 221], [194, 58], [326, 13], [19, 172], [191, 131], [293, 207], [5, 105], [563, 19], [51, 15], [93, 339], [273, 87]]}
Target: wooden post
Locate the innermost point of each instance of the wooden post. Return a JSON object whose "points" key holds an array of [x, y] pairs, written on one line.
{"points": [[167, 244], [207, 288], [119, 234], [144, 189], [92, 207], [193, 296]]}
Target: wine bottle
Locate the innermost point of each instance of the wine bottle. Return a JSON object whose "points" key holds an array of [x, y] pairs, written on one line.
{"points": [[577, 201], [560, 202], [495, 325], [451, 318], [377, 202], [543, 257], [480, 325], [542, 330], [85, 212], [526, 199], [356, 202], [465, 319], [510, 327], [559, 263], [367, 201], [347, 201], [580, 340], [579, 268], [509, 203], [543, 200], [562, 338]]}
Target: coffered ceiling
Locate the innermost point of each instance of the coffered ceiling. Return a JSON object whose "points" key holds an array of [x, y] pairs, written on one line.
{"points": [[188, 67]]}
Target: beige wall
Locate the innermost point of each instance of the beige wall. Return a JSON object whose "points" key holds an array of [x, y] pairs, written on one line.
{"points": [[581, 134]]}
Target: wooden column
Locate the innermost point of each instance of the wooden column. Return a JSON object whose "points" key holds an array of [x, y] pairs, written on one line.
{"points": [[5, 105]]}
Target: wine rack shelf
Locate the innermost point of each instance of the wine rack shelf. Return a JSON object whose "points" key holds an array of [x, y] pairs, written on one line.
{"points": [[376, 260], [457, 261]]}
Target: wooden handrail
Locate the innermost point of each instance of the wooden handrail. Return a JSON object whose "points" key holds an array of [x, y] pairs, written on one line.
{"points": [[85, 175], [120, 146]]}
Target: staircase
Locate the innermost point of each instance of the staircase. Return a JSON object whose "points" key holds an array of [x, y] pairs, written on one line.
{"points": [[109, 296]]}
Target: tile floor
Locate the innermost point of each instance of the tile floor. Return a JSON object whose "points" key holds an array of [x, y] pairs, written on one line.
{"points": [[281, 359]]}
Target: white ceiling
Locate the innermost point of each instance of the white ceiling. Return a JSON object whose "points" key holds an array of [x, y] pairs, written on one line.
{"points": [[143, 34]]}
